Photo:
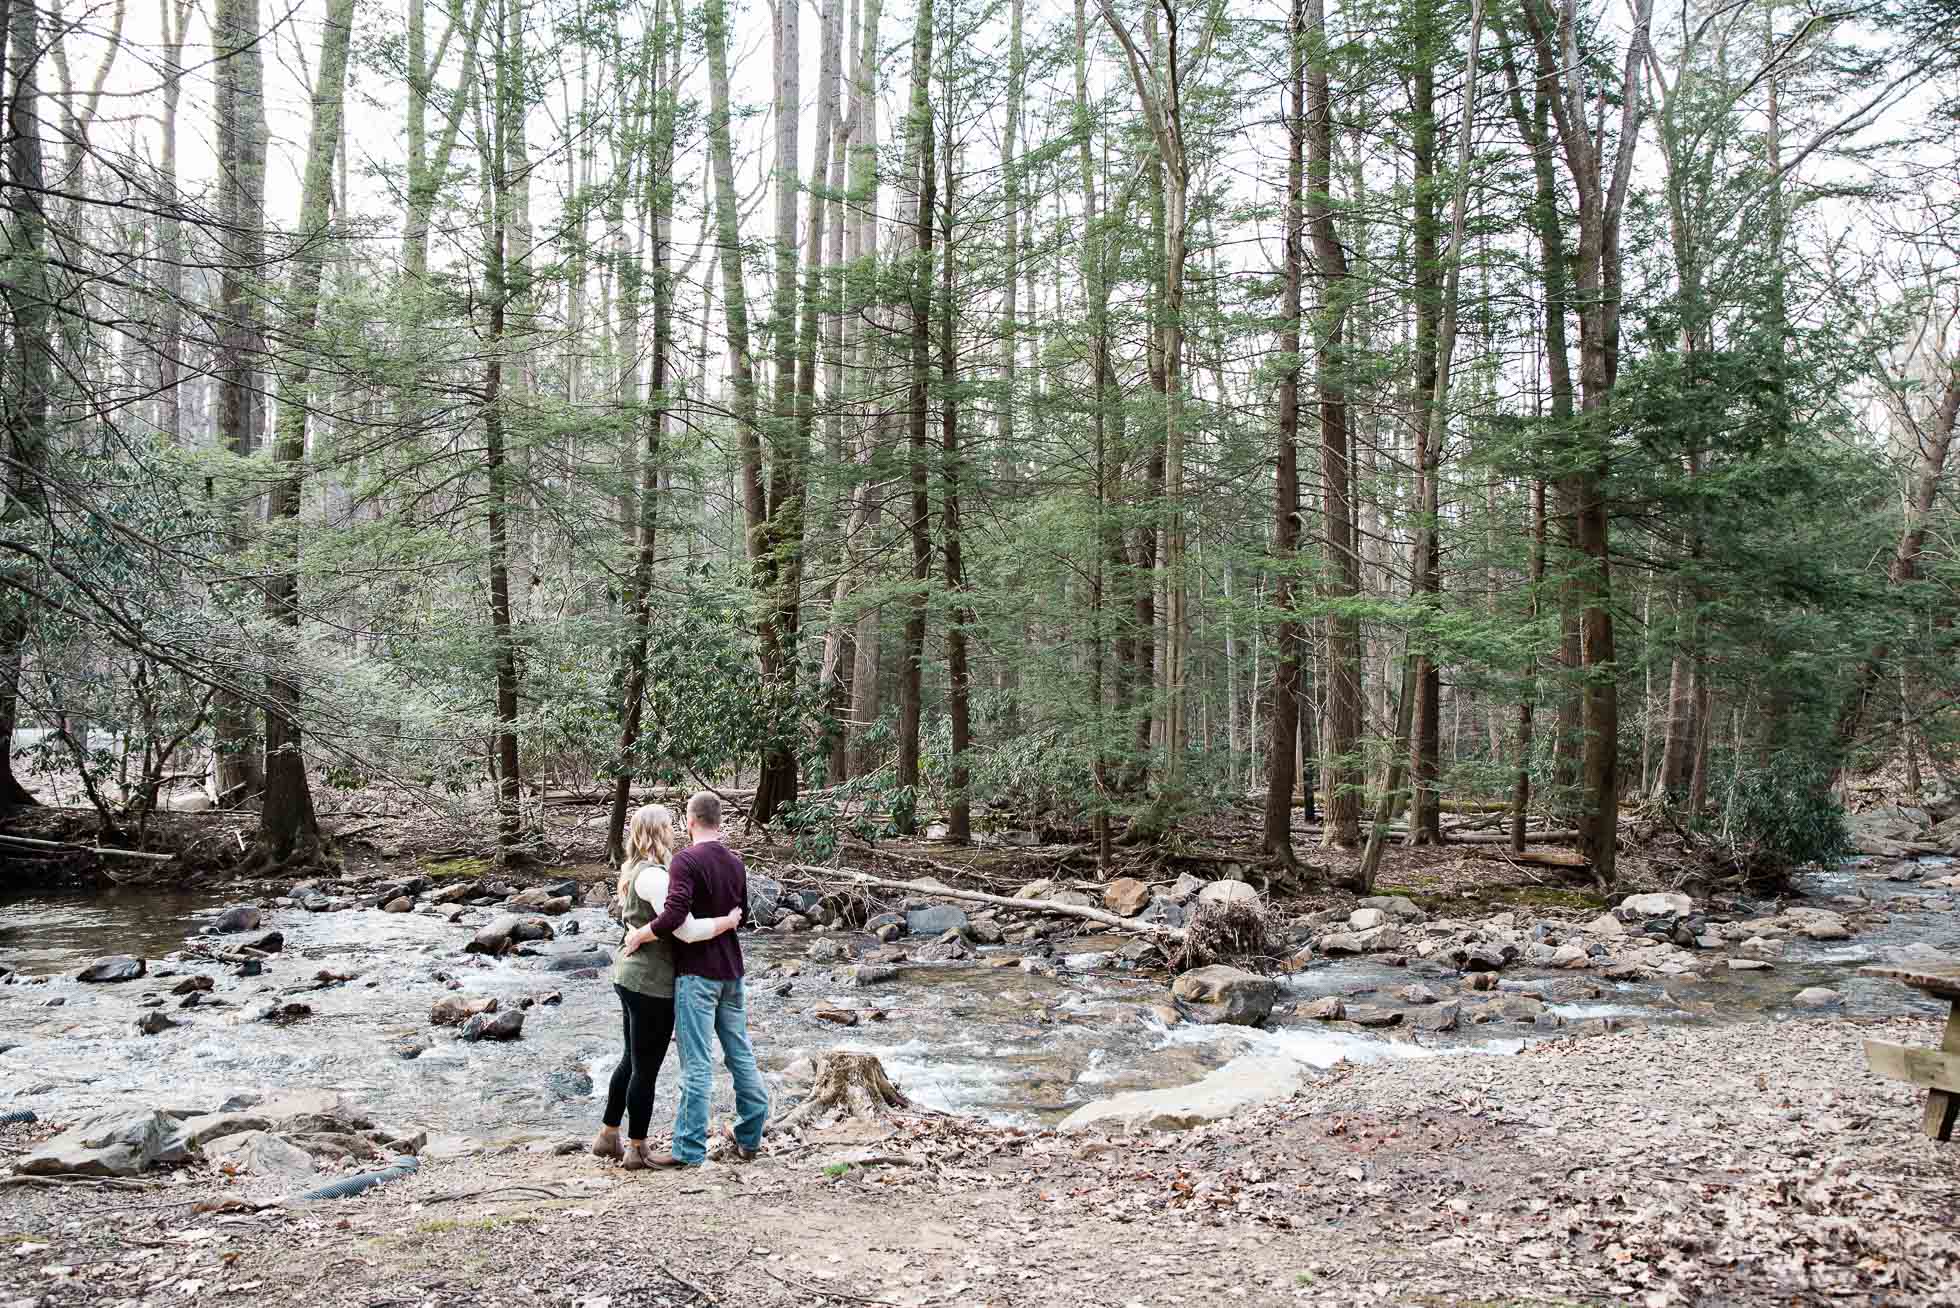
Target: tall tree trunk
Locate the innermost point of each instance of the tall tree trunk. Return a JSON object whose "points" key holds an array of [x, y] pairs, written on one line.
{"points": [[861, 281], [1425, 825], [498, 292], [834, 677], [287, 826], [176, 16], [1277, 836], [912, 656], [241, 131], [30, 358], [658, 180], [959, 620], [1343, 563]]}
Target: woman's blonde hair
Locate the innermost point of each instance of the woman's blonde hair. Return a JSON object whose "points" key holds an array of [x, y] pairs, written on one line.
{"points": [[649, 839]]}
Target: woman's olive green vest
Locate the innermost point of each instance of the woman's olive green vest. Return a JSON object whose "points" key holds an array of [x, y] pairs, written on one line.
{"points": [[648, 970]]}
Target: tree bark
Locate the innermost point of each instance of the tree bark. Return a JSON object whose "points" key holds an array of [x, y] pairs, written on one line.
{"points": [[919, 275], [959, 820]]}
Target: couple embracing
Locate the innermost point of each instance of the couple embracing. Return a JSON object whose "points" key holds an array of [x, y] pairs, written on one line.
{"points": [[680, 971]]}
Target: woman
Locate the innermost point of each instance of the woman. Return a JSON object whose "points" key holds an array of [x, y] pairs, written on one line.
{"points": [[644, 981]]}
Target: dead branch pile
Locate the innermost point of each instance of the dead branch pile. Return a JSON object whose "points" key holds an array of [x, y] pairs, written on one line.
{"points": [[1223, 933]]}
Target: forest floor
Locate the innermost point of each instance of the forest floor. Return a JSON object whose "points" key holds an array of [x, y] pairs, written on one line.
{"points": [[1653, 1166]]}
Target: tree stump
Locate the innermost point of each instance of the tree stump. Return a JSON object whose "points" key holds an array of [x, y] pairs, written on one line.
{"points": [[845, 1085]]}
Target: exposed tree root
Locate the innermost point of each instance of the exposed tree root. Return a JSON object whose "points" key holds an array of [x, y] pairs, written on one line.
{"points": [[846, 1085]]}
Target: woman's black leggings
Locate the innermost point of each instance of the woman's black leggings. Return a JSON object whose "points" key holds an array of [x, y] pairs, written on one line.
{"points": [[648, 1023]]}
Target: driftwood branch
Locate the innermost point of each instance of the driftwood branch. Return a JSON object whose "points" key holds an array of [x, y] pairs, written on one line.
{"points": [[103, 850], [1042, 906]]}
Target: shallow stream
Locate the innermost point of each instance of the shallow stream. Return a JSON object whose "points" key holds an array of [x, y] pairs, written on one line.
{"points": [[998, 1041]]}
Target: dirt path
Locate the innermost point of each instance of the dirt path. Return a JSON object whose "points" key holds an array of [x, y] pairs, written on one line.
{"points": [[1731, 1165]]}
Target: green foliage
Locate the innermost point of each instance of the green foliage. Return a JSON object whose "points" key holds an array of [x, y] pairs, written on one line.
{"points": [[1780, 816]]}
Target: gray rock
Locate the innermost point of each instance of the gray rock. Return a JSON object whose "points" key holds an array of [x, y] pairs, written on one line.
{"points": [[1221, 993], [1443, 1017], [399, 904], [1036, 890], [1399, 907], [271, 942], [876, 924], [1418, 994], [934, 920], [1510, 1008], [1366, 919], [985, 931], [1818, 997], [110, 1144], [1363, 1016], [765, 900], [231, 922], [1072, 897], [260, 1153], [1370, 941], [584, 960], [507, 1025], [114, 968], [1749, 965], [949, 948], [1227, 890], [153, 1023], [871, 974], [826, 949], [1163, 911], [457, 892], [1328, 1008], [1183, 888], [1665, 904], [191, 984]]}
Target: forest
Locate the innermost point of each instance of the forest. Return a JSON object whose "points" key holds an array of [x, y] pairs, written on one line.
{"points": [[976, 416]]}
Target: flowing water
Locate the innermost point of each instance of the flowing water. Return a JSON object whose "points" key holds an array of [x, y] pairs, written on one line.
{"points": [[998, 1041]]}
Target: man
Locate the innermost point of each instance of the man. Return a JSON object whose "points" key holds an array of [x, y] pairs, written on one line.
{"points": [[707, 878]]}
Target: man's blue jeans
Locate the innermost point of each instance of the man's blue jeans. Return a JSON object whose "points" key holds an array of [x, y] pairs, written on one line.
{"points": [[702, 1006]]}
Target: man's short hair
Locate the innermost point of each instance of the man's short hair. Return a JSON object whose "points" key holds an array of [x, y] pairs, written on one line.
{"points": [[704, 809]]}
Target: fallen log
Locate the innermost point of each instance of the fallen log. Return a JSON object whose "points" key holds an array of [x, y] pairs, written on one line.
{"points": [[1559, 858], [104, 851], [1504, 838], [1042, 906]]}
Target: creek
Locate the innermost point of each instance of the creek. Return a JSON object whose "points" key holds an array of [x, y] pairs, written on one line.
{"points": [[1008, 1044]]}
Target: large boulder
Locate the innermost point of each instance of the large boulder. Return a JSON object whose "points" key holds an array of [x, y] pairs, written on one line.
{"points": [[116, 967], [233, 921], [1399, 907], [1126, 896], [191, 1134], [506, 930], [110, 1144], [1221, 993], [1226, 891], [259, 1153], [934, 920], [1243, 1083], [457, 892], [765, 901], [542, 901]]}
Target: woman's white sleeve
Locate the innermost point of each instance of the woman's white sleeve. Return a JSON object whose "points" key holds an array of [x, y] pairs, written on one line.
{"points": [[651, 885]]}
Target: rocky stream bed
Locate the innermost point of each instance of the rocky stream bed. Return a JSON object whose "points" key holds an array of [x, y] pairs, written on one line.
{"points": [[1557, 1103]]}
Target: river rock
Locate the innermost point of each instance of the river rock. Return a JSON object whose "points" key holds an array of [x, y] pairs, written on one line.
{"points": [[1919, 954], [1399, 907], [875, 925], [1072, 898], [1245, 1082], [1749, 965], [1362, 1016], [949, 948], [1228, 890], [1818, 997], [826, 949], [116, 967], [1370, 941], [233, 921], [583, 960], [1126, 896], [508, 1025], [399, 904], [153, 1023], [764, 902], [542, 901], [260, 1153], [1366, 919], [506, 930], [1826, 926], [454, 1010], [871, 974], [1163, 911], [1328, 1008], [1417, 994], [934, 920], [191, 984], [1478, 956], [1036, 890], [1232, 995], [1570, 956], [1443, 1017], [1663, 904], [272, 942], [1509, 1008], [109, 1144], [457, 892], [985, 931]]}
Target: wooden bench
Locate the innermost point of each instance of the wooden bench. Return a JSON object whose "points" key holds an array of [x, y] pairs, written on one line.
{"points": [[1936, 1069]]}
